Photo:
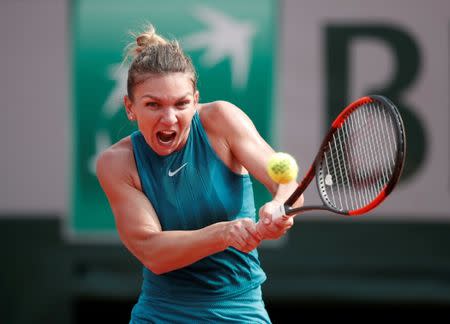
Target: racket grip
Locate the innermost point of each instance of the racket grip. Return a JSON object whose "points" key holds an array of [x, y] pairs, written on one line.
{"points": [[279, 212]]}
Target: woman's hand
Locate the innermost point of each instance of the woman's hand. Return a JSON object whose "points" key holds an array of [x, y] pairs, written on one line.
{"points": [[269, 228], [242, 234]]}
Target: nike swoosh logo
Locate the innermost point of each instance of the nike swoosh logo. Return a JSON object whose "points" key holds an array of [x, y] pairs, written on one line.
{"points": [[172, 173]]}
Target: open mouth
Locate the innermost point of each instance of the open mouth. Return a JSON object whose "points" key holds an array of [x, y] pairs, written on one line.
{"points": [[166, 137]]}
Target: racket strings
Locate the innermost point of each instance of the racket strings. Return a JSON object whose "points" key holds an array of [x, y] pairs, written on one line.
{"points": [[360, 158]]}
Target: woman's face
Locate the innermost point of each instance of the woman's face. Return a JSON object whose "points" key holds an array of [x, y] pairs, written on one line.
{"points": [[163, 107]]}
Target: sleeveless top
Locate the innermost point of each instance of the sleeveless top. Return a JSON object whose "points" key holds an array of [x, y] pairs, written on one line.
{"points": [[190, 189]]}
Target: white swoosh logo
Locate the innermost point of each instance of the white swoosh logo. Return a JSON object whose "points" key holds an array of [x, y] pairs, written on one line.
{"points": [[172, 173]]}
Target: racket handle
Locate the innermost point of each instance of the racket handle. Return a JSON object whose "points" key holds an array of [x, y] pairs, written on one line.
{"points": [[279, 212]]}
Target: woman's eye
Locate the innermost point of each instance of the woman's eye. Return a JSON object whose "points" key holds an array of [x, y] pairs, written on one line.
{"points": [[182, 103]]}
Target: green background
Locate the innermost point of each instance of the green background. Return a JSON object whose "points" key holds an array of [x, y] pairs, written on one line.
{"points": [[100, 34]]}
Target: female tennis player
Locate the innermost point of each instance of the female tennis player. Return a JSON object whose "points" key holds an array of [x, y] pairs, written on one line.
{"points": [[182, 197]]}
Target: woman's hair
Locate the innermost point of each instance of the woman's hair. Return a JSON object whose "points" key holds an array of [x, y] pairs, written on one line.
{"points": [[153, 54]]}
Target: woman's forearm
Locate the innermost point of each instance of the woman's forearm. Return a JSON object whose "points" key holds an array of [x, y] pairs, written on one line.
{"points": [[170, 250]]}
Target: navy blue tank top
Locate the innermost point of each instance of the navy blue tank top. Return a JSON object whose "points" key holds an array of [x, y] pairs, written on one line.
{"points": [[190, 189]]}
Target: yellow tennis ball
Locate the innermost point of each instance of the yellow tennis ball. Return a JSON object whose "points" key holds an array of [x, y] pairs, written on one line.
{"points": [[282, 168]]}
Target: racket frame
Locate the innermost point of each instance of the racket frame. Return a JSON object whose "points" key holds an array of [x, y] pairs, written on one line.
{"points": [[314, 169]]}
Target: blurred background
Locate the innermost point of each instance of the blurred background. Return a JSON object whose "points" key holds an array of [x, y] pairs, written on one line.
{"points": [[292, 66]]}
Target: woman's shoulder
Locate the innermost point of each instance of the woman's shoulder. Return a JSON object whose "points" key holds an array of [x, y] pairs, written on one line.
{"points": [[117, 158], [215, 107], [212, 112], [222, 115]]}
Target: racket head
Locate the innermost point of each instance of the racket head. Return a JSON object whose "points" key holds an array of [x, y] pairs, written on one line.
{"points": [[362, 157]]}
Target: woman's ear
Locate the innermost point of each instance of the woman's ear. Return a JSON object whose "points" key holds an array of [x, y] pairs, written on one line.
{"points": [[196, 97], [129, 107]]}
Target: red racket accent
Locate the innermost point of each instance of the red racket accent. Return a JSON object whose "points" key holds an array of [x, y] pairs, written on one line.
{"points": [[349, 109], [370, 206], [359, 161]]}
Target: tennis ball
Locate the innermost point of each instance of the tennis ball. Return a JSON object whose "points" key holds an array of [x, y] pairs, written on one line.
{"points": [[282, 168]]}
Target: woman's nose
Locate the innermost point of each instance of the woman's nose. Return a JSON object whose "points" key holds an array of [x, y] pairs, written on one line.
{"points": [[169, 116]]}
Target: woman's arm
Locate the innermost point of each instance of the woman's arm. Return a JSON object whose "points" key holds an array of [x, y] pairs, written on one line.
{"points": [[139, 228], [253, 153]]}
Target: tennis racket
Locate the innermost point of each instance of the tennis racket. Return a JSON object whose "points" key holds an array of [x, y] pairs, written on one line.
{"points": [[359, 161]]}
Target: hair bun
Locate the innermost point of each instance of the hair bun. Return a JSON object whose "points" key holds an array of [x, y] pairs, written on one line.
{"points": [[148, 38]]}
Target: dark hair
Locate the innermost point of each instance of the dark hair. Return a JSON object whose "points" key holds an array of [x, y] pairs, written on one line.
{"points": [[152, 54]]}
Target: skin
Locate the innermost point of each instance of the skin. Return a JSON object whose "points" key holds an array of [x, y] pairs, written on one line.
{"points": [[163, 107]]}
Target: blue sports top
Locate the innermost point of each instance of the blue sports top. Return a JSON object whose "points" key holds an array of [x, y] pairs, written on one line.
{"points": [[190, 189]]}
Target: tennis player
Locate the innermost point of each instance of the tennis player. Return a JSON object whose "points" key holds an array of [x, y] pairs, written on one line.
{"points": [[182, 197]]}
